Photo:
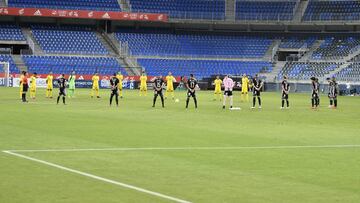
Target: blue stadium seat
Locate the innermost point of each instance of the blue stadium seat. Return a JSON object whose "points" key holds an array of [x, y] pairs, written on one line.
{"points": [[64, 64], [66, 39], [336, 48], [202, 68], [306, 70], [183, 9], [297, 42], [332, 10], [148, 43], [265, 10], [93, 5], [9, 32], [12, 66]]}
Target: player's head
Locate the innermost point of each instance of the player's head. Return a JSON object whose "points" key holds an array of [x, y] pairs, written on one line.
{"points": [[191, 76], [328, 79], [170, 73], [313, 79], [285, 77], [160, 76], [218, 77], [119, 73], [114, 74], [73, 73], [62, 75], [143, 72], [24, 73], [244, 75], [256, 76], [333, 78], [50, 72], [96, 73], [35, 74]]}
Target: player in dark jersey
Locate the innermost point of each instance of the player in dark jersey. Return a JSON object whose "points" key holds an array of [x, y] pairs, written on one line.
{"points": [[158, 90], [257, 85], [191, 85], [114, 86], [318, 85], [285, 89], [314, 93], [333, 91], [62, 88]]}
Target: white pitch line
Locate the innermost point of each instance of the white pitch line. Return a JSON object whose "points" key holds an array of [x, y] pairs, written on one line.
{"points": [[99, 178], [187, 148]]}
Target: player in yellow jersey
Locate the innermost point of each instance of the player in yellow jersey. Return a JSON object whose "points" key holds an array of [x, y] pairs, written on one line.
{"points": [[170, 85], [217, 92], [21, 83], [33, 86], [143, 84], [121, 78], [49, 85], [245, 88], [95, 85]]}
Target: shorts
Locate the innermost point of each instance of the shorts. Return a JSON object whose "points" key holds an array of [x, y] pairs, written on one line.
{"points": [[49, 87], [256, 93], [143, 87], [96, 87], [71, 86], [228, 93], [314, 95], [332, 96], [62, 92], [170, 88], [114, 92], [25, 87], [217, 91], [191, 94], [285, 96], [158, 93]]}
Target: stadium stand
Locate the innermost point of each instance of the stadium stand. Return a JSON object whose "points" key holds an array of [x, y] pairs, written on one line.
{"points": [[64, 64], [10, 32], [350, 73], [306, 70], [97, 5], [12, 66], [68, 39], [265, 10], [332, 10], [202, 68], [297, 43], [336, 48], [195, 45], [183, 9]]}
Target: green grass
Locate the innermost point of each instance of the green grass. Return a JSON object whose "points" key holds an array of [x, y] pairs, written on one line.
{"points": [[238, 175]]}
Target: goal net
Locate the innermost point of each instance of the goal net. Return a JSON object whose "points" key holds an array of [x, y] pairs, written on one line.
{"points": [[5, 74]]}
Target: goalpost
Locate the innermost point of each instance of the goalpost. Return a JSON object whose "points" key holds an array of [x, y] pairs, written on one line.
{"points": [[6, 69]]}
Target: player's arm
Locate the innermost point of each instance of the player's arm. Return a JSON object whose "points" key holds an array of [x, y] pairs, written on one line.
{"points": [[174, 79]]}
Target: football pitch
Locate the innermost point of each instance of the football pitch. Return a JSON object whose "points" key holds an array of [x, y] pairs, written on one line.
{"points": [[87, 152]]}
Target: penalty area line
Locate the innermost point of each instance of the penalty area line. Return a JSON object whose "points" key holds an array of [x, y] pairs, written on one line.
{"points": [[187, 148], [124, 185]]}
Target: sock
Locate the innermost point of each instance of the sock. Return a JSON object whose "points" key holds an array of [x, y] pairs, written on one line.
{"points": [[254, 100], [173, 94], [111, 98], [97, 93], [331, 102], [312, 102], [287, 103], [121, 93], [162, 101], [195, 101], [259, 100], [187, 102], [247, 97], [64, 99], [154, 100], [231, 102], [117, 100], [335, 102], [282, 103], [57, 101], [23, 96]]}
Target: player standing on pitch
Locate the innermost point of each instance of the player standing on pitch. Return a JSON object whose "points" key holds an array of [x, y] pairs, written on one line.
{"points": [[217, 92], [333, 91], [257, 85], [71, 80], [49, 84], [95, 85], [121, 78], [33, 86], [24, 86], [285, 89], [229, 85], [158, 90], [191, 85], [62, 86], [314, 93], [114, 83], [244, 88], [170, 79]]}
